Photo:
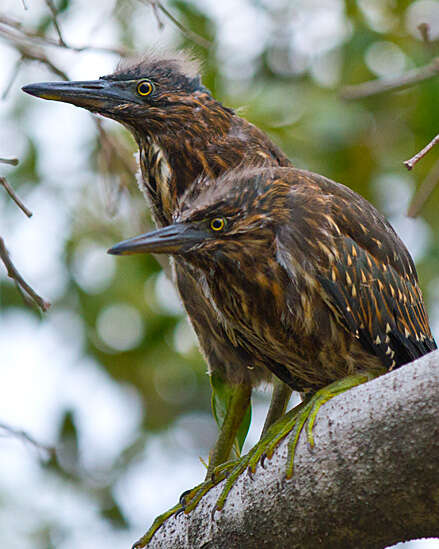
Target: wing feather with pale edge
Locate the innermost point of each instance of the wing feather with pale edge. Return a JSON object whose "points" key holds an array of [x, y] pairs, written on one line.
{"points": [[367, 274]]}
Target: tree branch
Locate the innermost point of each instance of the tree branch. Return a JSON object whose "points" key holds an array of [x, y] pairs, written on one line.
{"points": [[156, 6], [14, 196], [370, 481], [383, 85], [28, 293], [424, 191], [43, 449], [418, 156], [12, 30]]}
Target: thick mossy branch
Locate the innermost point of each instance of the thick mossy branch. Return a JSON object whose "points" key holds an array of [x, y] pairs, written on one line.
{"points": [[371, 480]]}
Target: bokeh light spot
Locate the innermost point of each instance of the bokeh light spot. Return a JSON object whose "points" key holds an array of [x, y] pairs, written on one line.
{"points": [[93, 269], [120, 326], [385, 58]]}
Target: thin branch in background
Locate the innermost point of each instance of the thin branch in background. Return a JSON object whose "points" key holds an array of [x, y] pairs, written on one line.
{"points": [[11, 161], [13, 31], [424, 31], [13, 77], [189, 33], [28, 439], [27, 292], [116, 148], [382, 85], [31, 52], [424, 191], [24, 4], [156, 13], [114, 159], [415, 159], [14, 197], [53, 11]]}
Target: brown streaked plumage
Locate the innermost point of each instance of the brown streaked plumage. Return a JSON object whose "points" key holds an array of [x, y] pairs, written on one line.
{"points": [[182, 133], [306, 277]]}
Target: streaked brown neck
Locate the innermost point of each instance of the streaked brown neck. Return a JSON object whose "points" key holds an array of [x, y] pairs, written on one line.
{"points": [[206, 138]]}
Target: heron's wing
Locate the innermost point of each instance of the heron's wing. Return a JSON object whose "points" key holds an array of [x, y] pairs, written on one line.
{"points": [[366, 274]]}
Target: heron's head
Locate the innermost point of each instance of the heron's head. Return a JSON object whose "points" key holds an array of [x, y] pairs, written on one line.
{"points": [[230, 219], [147, 94]]}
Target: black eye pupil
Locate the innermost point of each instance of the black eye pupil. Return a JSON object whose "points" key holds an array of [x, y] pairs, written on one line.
{"points": [[144, 88], [217, 223]]}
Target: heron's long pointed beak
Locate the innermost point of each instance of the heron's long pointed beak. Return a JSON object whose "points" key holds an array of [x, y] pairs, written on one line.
{"points": [[174, 239], [94, 95]]}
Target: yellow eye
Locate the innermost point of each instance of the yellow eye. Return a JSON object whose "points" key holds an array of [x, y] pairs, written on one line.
{"points": [[217, 224], [144, 87]]}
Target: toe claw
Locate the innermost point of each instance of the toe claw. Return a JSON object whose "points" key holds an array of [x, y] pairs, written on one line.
{"points": [[250, 472], [214, 510], [263, 458], [179, 512], [182, 499]]}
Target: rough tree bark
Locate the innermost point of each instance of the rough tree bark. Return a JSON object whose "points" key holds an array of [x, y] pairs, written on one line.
{"points": [[371, 480]]}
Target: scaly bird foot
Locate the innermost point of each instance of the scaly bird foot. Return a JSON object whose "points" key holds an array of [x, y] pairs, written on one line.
{"points": [[292, 423]]}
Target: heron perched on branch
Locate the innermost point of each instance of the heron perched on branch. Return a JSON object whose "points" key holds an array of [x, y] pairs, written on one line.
{"points": [[182, 133], [308, 280]]}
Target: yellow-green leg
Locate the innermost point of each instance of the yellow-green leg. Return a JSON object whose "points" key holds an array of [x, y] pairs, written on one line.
{"points": [[236, 410], [279, 402], [218, 460], [291, 423]]}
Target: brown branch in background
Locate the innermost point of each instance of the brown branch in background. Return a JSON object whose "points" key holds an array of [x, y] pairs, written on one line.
{"points": [[115, 148], [26, 291], [424, 31], [156, 5], [13, 77], [28, 439], [11, 161], [31, 52], [54, 12], [424, 191], [116, 159], [415, 159], [14, 196], [153, 4], [382, 85], [12, 30]]}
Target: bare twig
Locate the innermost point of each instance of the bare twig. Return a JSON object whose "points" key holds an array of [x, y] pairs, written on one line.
{"points": [[424, 31], [153, 4], [26, 438], [24, 4], [30, 51], [23, 286], [54, 13], [114, 158], [189, 33], [12, 30], [11, 161], [14, 75], [415, 159], [14, 196], [424, 191], [375, 87], [116, 148]]}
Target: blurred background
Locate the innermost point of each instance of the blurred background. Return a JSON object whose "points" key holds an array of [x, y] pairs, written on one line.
{"points": [[111, 375]]}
